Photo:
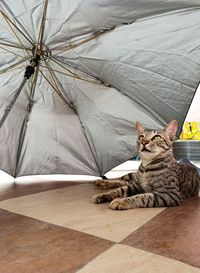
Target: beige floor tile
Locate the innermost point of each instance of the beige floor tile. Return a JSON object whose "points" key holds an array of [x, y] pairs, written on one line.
{"points": [[71, 207], [120, 258]]}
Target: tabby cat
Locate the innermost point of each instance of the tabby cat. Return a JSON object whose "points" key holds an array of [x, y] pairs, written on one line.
{"points": [[160, 180]]}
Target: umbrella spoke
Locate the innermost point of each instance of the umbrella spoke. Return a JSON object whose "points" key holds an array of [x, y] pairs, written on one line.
{"points": [[29, 109], [71, 45], [71, 106], [27, 36], [13, 45], [41, 29], [64, 67], [61, 72], [24, 58], [11, 25], [73, 74], [50, 83], [55, 86], [12, 66]]}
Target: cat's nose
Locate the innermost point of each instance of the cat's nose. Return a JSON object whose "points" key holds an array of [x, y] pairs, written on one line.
{"points": [[144, 142]]}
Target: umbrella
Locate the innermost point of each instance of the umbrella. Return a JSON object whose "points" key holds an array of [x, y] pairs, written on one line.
{"points": [[92, 69]]}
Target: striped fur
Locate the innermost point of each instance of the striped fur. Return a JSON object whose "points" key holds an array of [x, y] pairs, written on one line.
{"points": [[160, 180]]}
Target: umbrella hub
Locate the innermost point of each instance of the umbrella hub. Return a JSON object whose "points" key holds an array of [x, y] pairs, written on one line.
{"points": [[41, 51]]}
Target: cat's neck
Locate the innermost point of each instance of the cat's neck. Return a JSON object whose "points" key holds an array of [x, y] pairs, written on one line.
{"points": [[166, 158]]}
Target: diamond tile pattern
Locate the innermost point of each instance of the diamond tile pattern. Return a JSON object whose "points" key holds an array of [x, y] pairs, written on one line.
{"points": [[55, 228]]}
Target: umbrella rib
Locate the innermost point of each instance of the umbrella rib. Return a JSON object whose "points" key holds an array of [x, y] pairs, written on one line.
{"points": [[12, 66], [67, 69], [27, 36], [51, 85], [87, 140], [76, 112], [54, 70], [8, 20], [42, 26], [52, 76], [71, 46], [10, 23], [25, 58], [29, 110], [14, 46], [56, 89], [73, 75]]}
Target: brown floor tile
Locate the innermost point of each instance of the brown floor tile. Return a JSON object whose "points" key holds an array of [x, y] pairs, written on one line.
{"points": [[126, 259], [10, 189], [174, 233], [71, 207], [31, 246]]}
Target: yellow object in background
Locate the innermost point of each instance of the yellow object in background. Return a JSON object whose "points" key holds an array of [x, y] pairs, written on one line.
{"points": [[190, 131]]}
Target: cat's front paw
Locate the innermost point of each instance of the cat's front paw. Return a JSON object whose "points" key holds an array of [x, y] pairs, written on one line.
{"points": [[101, 198], [102, 184], [119, 204], [97, 199]]}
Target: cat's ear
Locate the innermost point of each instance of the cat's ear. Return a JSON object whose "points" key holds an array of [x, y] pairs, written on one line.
{"points": [[139, 128], [171, 129]]}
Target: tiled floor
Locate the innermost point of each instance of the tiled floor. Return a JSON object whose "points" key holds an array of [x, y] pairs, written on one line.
{"points": [[54, 228]]}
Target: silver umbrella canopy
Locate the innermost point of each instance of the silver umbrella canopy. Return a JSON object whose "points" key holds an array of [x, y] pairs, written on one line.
{"points": [[103, 65]]}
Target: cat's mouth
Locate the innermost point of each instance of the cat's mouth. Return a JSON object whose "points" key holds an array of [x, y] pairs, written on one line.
{"points": [[145, 150]]}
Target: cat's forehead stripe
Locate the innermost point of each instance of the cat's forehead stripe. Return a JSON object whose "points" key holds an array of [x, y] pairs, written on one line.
{"points": [[153, 132], [150, 133]]}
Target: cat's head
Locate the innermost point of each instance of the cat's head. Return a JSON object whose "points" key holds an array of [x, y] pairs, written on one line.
{"points": [[154, 143]]}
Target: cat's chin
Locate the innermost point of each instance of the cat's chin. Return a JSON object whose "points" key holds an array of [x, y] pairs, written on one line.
{"points": [[144, 150]]}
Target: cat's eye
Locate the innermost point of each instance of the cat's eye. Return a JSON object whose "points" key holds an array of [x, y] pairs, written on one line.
{"points": [[156, 137]]}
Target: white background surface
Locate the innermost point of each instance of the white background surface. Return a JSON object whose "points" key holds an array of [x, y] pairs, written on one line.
{"points": [[194, 111], [118, 171]]}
